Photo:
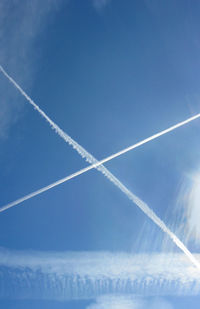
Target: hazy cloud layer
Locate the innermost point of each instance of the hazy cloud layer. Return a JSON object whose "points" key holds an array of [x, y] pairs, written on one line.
{"points": [[88, 275]]}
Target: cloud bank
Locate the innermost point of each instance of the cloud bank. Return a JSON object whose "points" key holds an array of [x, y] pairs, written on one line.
{"points": [[89, 275]]}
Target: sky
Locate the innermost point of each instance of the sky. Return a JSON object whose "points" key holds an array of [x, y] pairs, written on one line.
{"points": [[109, 74]]}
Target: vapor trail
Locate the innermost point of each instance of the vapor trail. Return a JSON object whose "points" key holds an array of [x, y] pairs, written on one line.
{"points": [[78, 147], [98, 164]]}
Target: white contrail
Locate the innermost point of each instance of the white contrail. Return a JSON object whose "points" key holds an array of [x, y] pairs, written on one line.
{"points": [[80, 149], [98, 164]]}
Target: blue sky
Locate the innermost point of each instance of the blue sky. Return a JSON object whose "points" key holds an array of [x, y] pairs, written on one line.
{"points": [[109, 74]]}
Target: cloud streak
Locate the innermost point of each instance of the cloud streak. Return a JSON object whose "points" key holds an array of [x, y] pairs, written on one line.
{"points": [[98, 164], [88, 275]]}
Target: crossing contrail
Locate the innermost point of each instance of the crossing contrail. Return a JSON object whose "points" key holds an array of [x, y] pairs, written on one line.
{"points": [[78, 147], [98, 164]]}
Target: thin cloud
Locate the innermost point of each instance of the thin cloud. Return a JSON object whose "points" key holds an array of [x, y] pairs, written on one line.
{"points": [[129, 302], [116, 302], [99, 5]]}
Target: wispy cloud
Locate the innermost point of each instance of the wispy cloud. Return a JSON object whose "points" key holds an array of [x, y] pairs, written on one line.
{"points": [[100, 4], [20, 23], [115, 302], [129, 302], [88, 275], [193, 209], [189, 204]]}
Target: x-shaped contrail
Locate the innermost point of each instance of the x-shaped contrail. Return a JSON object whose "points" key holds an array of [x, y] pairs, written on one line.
{"points": [[98, 164]]}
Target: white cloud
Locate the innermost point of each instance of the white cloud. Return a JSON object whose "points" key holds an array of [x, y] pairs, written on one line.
{"points": [[116, 302], [128, 302], [100, 4], [20, 23]]}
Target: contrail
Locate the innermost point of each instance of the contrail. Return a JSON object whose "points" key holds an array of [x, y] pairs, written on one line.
{"points": [[80, 149], [98, 164]]}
